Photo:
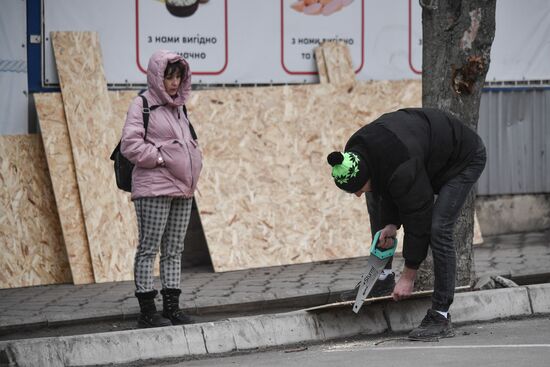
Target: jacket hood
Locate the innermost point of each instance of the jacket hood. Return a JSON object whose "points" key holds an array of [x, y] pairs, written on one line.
{"points": [[155, 78]]}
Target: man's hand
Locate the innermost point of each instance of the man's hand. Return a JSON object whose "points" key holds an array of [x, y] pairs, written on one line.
{"points": [[405, 284], [387, 236]]}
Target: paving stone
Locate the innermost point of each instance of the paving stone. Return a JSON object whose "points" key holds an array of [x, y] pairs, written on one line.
{"points": [[284, 280], [242, 297], [57, 317], [26, 308], [222, 283], [232, 277], [516, 255], [206, 302], [10, 320], [249, 288]]}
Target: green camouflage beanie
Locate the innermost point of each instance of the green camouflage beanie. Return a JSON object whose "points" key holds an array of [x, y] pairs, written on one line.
{"points": [[349, 170]]}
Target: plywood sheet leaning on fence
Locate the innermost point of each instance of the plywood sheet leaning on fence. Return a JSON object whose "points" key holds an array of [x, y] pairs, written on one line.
{"points": [[89, 118], [478, 236], [57, 145], [321, 66], [30, 234], [120, 102], [266, 195], [336, 62]]}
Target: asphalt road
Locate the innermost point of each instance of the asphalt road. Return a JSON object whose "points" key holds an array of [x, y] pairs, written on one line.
{"points": [[507, 343]]}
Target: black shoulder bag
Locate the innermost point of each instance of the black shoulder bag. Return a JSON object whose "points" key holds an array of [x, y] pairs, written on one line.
{"points": [[123, 167]]}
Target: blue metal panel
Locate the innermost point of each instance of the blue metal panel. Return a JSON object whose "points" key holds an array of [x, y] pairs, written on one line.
{"points": [[34, 50], [515, 126], [34, 54]]}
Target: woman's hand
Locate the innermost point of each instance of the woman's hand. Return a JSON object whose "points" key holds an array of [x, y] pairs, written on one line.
{"points": [[387, 236]]}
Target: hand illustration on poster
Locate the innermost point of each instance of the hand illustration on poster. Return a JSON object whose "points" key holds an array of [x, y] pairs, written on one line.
{"points": [[317, 7], [183, 8], [301, 33], [196, 29]]}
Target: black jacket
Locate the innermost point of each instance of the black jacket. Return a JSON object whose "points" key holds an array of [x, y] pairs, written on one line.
{"points": [[411, 154]]}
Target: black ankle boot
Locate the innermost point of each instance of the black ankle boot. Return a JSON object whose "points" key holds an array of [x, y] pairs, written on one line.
{"points": [[149, 316], [170, 306]]}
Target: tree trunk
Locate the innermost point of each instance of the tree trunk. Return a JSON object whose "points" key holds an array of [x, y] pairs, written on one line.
{"points": [[457, 38]]}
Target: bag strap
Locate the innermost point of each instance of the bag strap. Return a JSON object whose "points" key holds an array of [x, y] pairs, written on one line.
{"points": [[185, 113], [145, 111], [193, 133]]}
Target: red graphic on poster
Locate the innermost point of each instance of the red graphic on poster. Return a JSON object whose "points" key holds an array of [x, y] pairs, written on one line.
{"points": [[306, 23], [411, 66], [201, 50]]}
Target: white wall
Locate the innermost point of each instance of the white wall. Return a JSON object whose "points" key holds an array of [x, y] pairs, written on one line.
{"points": [[502, 214]]}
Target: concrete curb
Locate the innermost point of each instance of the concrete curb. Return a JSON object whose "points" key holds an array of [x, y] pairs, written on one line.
{"points": [[256, 332], [130, 309], [467, 307]]}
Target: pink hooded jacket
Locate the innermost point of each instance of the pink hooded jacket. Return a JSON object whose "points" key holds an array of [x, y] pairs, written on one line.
{"points": [[168, 136]]}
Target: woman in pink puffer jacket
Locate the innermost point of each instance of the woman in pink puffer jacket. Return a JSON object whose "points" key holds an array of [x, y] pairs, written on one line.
{"points": [[167, 166]]}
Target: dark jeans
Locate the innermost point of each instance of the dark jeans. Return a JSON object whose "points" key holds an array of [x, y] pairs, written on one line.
{"points": [[446, 210]]}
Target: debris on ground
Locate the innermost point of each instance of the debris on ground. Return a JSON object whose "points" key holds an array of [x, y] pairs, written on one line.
{"points": [[493, 282]]}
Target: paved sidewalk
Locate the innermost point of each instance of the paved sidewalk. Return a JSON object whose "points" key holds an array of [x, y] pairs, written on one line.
{"points": [[255, 333], [256, 290]]}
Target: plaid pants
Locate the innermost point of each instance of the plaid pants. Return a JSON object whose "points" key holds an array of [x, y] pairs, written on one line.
{"points": [[161, 221]]}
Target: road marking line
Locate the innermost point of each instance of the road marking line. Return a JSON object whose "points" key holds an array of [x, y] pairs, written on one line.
{"points": [[357, 347], [468, 346]]}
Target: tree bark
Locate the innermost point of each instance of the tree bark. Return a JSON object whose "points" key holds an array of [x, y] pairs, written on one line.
{"points": [[457, 38]]}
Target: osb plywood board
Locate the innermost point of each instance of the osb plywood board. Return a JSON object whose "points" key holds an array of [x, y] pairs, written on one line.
{"points": [[266, 195], [337, 52], [30, 234], [60, 161], [120, 102], [121, 99], [89, 118], [338, 64], [55, 137], [478, 237], [321, 66], [340, 68]]}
